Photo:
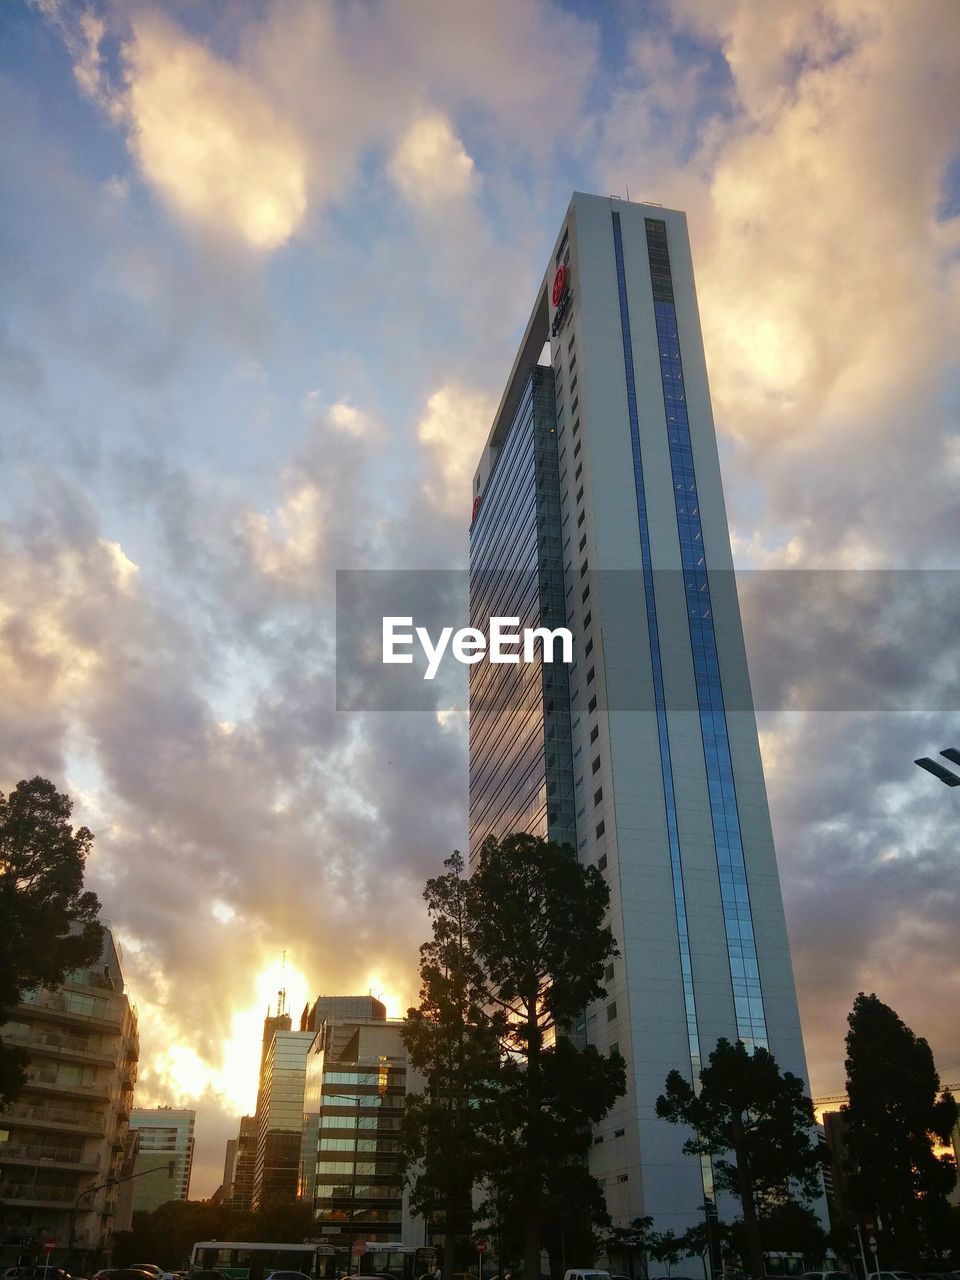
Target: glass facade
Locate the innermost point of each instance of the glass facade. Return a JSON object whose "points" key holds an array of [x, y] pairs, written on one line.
{"points": [[356, 1183], [653, 636], [280, 1116], [734, 893], [521, 769]]}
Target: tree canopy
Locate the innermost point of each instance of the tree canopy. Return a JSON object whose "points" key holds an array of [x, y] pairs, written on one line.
{"points": [[895, 1114], [756, 1124], [518, 951], [49, 923]]}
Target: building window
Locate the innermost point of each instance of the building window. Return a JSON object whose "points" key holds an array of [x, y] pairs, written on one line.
{"points": [[608, 973], [623, 1177], [585, 593], [579, 471], [583, 542], [602, 862], [576, 427], [588, 649], [580, 518], [592, 705], [618, 1133], [590, 674], [580, 493], [611, 1010], [598, 795], [594, 733], [601, 828]]}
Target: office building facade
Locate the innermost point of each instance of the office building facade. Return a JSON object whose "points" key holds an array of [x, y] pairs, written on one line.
{"points": [[164, 1160], [357, 1079], [239, 1194], [280, 1115], [598, 505], [67, 1134]]}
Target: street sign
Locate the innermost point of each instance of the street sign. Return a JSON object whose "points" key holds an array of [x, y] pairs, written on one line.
{"points": [[49, 1245], [872, 1242], [481, 1246], [359, 1249]]}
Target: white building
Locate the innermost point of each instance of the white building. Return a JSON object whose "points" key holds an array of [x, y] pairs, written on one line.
{"points": [[600, 485], [164, 1155]]}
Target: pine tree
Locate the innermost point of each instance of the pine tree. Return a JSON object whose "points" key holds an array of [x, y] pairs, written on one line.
{"points": [[895, 1114], [748, 1109]]}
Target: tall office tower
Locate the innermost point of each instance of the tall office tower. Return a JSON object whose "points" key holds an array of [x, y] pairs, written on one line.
{"points": [[598, 504], [64, 1142], [164, 1158], [280, 1111]]}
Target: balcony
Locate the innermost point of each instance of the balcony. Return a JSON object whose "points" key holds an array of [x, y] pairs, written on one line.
{"points": [[61, 1044], [41, 1080], [73, 1119], [37, 1195], [94, 1012], [34, 1153]]}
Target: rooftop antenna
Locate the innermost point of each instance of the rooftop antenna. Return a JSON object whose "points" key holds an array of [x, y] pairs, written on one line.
{"points": [[628, 195], [282, 993]]}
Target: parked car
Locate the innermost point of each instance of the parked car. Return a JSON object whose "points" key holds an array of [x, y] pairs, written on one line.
{"points": [[286, 1275], [124, 1273], [825, 1275]]}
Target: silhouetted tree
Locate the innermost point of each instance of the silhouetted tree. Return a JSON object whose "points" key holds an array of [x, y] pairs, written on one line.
{"points": [[746, 1108], [632, 1242], [895, 1114], [447, 1130], [537, 930], [49, 924], [518, 952]]}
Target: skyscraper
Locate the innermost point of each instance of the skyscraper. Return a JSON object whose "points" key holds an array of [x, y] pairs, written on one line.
{"points": [[283, 1065], [598, 505]]}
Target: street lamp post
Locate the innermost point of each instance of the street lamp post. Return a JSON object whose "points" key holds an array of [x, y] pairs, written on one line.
{"points": [[100, 1186], [357, 1100]]}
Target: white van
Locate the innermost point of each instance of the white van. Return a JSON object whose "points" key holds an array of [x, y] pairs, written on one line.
{"points": [[586, 1275]]}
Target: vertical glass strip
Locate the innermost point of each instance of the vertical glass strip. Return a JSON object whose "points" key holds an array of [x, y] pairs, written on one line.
{"points": [[653, 635], [734, 893]]}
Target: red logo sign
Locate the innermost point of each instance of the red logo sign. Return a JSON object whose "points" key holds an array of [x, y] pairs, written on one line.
{"points": [[359, 1248], [559, 285], [49, 1245]]}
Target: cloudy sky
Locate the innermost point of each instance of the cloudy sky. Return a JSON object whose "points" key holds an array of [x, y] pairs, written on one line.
{"points": [[265, 266]]}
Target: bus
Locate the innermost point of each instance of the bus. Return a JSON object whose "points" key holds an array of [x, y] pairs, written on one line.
{"points": [[254, 1259], [393, 1261]]}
